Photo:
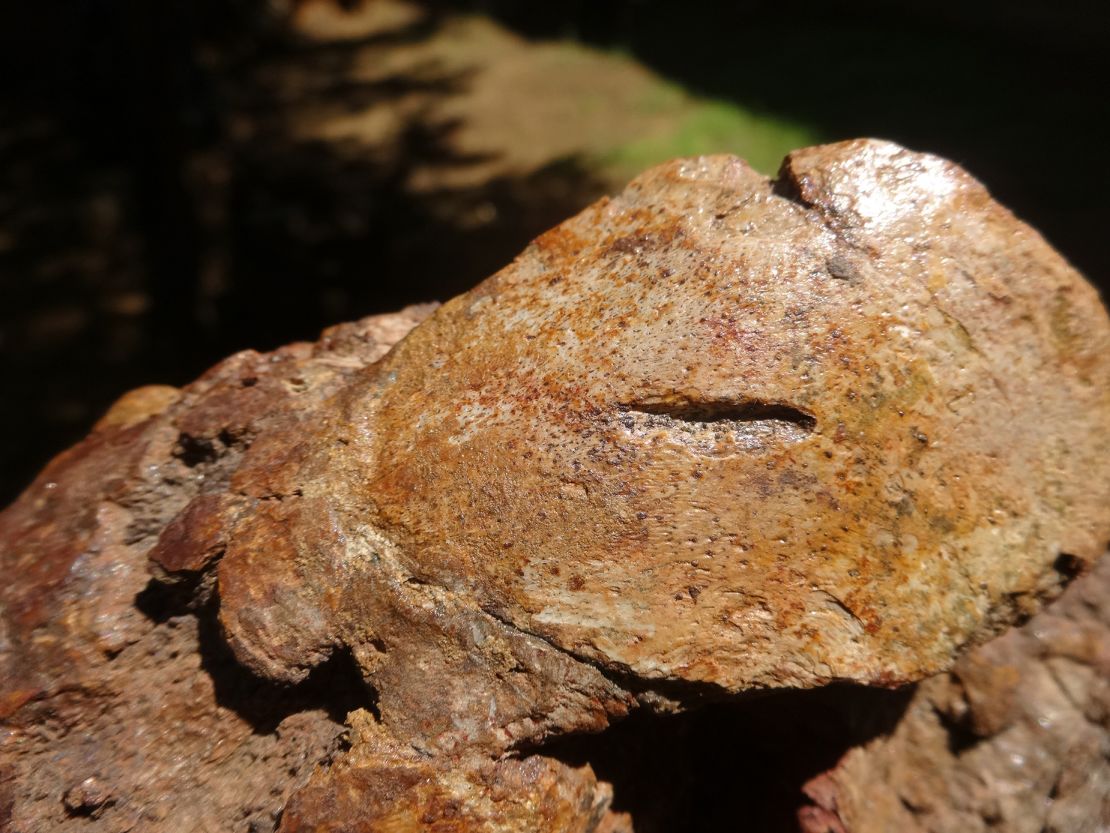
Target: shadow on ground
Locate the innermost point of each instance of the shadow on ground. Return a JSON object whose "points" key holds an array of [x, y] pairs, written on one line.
{"points": [[161, 205]]}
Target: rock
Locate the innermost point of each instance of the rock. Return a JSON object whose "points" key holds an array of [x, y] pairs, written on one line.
{"points": [[104, 671], [719, 435], [769, 477], [87, 798], [1016, 737], [383, 785]]}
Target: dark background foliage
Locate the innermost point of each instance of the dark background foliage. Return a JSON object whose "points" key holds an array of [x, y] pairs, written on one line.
{"points": [[159, 208]]}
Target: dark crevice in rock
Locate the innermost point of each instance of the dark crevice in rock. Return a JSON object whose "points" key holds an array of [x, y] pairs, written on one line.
{"points": [[714, 427], [786, 185], [789, 186], [89, 799], [1069, 567], [216, 457], [960, 734], [710, 412], [197, 451], [336, 686], [163, 599], [709, 768]]}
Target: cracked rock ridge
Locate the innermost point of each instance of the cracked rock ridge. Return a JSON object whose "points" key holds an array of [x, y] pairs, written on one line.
{"points": [[719, 435]]}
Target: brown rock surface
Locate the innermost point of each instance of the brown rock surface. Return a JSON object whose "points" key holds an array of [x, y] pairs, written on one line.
{"points": [[717, 435], [832, 435], [1016, 737], [383, 785]]}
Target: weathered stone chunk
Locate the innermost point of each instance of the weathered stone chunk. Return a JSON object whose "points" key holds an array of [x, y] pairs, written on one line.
{"points": [[719, 434], [1014, 738]]}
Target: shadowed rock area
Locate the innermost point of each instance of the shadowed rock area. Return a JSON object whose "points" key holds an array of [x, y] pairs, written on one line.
{"points": [[731, 460]]}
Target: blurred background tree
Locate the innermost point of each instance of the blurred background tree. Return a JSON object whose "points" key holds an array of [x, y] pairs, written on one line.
{"points": [[179, 180]]}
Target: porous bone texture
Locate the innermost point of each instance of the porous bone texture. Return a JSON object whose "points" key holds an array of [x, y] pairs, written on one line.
{"points": [[716, 435], [731, 432]]}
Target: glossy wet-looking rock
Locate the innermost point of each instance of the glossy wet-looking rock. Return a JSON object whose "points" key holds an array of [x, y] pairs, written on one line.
{"points": [[718, 435]]}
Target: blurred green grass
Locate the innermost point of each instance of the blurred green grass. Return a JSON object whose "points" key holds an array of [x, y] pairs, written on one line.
{"points": [[699, 126]]}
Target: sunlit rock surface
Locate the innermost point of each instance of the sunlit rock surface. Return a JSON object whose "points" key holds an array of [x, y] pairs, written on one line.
{"points": [[717, 435]]}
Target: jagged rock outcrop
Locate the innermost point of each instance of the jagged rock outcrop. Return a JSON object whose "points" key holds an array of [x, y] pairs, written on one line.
{"points": [[1016, 737], [717, 436]]}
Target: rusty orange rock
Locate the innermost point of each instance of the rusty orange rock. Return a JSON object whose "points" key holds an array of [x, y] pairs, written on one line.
{"points": [[384, 785], [731, 431], [716, 435]]}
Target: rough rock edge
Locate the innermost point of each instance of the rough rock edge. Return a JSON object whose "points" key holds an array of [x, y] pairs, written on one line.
{"points": [[105, 631], [1015, 738], [108, 683], [122, 707]]}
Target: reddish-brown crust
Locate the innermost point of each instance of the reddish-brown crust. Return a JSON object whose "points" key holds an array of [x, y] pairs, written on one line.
{"points": [[724, 430], [717, 434], [1013, 738]]}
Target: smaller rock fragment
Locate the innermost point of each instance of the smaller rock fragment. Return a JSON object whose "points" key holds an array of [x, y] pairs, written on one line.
{"points": [[88, 798]]}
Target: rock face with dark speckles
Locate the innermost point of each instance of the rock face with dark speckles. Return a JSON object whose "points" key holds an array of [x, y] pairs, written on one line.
{"points": [[719, 434]]}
